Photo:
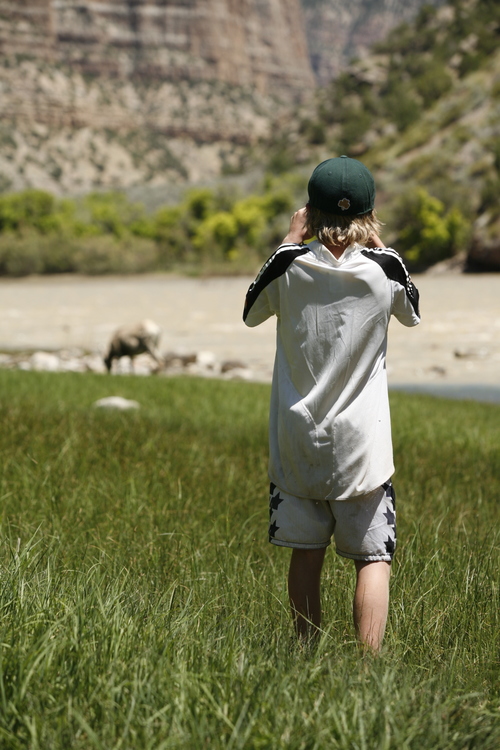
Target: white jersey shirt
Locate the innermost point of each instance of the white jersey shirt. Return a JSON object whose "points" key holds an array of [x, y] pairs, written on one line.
{"points": [[330, 430]]}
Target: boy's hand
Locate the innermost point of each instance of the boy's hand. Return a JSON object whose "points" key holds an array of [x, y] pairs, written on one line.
{"points": [[299, 231]]}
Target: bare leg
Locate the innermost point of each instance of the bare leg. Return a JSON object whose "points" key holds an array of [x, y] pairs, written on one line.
{"points": [[371, 602], [304, 591]]}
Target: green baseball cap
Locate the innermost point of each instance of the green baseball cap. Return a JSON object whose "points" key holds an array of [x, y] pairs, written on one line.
{"points": [[342, 186]]}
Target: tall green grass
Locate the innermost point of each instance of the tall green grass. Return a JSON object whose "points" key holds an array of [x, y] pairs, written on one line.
{"points": [[141, 605]]}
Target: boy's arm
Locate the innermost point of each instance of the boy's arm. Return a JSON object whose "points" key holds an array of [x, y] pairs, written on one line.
{"points": [[406, 306], [257, 308], [262, 298], [298, 231], [405, 296]]}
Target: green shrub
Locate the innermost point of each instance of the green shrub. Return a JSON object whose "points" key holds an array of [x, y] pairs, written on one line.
{"points": [[106, 233], [356, 123], [29, 208], [314, 131], [20, 256], [200, 203], [102, 255], [244, 226], [112, 213], [401, 107], [216, 234], [433, 83], [426, 233]]}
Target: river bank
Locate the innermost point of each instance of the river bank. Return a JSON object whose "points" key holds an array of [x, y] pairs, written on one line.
{"points": [[457, 343]]}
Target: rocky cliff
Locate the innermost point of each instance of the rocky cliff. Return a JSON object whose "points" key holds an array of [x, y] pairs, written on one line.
{"points": [[115, 93], [241, 42], [123, 92], [338, 31]]}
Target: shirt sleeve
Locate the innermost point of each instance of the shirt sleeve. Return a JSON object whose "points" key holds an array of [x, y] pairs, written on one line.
{"points": [[262, 298], [405, 296], [405, 304], [257, 309]]}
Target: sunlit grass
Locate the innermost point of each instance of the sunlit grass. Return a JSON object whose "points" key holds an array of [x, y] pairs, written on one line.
{"points": [[141, 605]]}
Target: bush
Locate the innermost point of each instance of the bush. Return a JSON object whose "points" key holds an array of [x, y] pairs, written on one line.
{"points": [[433, 83], [426, 233], [20, 256], [244, 226], [401, 108], [106, 233], [217, 233], [29, 208], [103, 255], [112, 213]]}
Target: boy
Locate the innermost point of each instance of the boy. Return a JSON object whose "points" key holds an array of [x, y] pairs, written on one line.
{"points": [[331, 460]]}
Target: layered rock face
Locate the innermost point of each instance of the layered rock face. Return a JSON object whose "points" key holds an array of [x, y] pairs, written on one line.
{"points": [[338, 31], [258, 43], [113, 93]]}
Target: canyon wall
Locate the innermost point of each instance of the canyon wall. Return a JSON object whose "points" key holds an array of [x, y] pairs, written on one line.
{"points": [[338, 31], [260, 43], [117, 93]]}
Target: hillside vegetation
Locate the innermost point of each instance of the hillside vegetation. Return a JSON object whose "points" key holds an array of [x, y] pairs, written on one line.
{"points": [[424, 112]]}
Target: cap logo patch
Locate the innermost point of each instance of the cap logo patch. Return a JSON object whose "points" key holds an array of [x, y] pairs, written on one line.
{"points": [[344, 204]]}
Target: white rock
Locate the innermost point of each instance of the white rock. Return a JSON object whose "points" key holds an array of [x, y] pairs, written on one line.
{"points": [[116, 402], [207, 360], [5, 360], [200, 372], [94, 363], [72, 365], [239, 373], [44, 361]]}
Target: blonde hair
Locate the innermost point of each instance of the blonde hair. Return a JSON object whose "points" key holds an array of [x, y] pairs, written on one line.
{"points": [[331, 229]]}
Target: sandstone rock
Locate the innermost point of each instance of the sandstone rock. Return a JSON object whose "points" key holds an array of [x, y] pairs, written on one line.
{"points": [[456, 264]]}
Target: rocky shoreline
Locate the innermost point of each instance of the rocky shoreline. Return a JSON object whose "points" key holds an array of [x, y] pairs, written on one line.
{"points": [[65, 324], [200, 364]]}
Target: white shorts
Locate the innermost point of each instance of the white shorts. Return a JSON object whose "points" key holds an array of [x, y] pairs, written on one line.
{"points": [[364, 527]]}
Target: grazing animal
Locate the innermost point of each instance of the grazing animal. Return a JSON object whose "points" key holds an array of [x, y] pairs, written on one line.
{"points": [[129, 341]]}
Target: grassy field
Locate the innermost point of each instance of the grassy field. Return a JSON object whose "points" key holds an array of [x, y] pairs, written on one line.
{"points": [[141, 605]]}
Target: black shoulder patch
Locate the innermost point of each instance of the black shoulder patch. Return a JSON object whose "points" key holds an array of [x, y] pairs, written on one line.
{"points": [[272, 269], [395, 270]]}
